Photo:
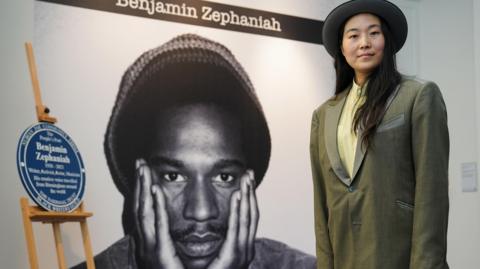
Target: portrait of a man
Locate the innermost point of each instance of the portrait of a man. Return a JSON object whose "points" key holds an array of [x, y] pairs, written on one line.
{"points": [[187, 144]]}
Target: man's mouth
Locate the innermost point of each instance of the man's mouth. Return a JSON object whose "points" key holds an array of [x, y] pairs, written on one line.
{"points": [[200, 245]]}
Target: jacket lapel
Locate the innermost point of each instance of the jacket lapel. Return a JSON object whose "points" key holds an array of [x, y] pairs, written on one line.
{"points": [[332, 117], [361, 150]]}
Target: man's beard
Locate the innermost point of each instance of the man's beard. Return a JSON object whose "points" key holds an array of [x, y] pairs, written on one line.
{"points": [[182, 233], [198, 241]]}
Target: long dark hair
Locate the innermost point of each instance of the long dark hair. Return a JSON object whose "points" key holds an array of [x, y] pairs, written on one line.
{"points": [[381, 83]]}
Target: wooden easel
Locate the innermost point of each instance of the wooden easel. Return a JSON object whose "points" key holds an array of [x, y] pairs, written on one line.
{"points": [[36, 214]]}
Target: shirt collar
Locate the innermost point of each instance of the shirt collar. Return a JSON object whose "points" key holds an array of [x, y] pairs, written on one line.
{"points": [[359, 91]]}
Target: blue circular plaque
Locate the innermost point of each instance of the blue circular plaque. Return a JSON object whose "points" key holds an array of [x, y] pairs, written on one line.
{"points": [[51, 168]]}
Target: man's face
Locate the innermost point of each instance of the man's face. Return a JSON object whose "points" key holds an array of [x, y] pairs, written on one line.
{"points": [[197, 159]]}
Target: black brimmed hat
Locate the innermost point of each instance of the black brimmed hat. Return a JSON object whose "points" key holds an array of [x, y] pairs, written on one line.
{"points": [[387, 11], [188, 68]]}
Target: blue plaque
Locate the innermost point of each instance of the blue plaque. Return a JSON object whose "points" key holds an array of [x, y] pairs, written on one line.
{"points": [[51, 168]]}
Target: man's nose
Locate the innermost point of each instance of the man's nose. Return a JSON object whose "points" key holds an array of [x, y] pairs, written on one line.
{"points": [[201, 203]]}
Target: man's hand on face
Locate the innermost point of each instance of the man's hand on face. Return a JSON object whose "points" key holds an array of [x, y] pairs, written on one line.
{"points": [[151, 218], [155, 244], [238, 250]]}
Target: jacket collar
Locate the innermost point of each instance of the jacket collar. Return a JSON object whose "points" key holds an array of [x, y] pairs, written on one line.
{"points": [[332, 118]]}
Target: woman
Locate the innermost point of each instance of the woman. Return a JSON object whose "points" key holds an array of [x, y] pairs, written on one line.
{"points": [[379, 150]]}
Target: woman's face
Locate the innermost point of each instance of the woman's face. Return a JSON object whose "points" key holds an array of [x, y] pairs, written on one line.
{"points": [[363, 43]]}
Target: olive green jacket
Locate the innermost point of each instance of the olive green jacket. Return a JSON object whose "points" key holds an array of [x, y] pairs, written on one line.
{"points": [[393, 212]]}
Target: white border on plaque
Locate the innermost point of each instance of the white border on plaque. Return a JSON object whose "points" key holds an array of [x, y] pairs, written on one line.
{"points": [[51, 168]]}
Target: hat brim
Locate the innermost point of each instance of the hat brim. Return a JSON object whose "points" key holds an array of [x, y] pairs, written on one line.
{"points": [[387, 11]]}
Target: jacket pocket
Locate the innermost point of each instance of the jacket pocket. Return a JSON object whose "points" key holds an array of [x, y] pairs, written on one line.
{"points": [[404, 205], [391, 123]]}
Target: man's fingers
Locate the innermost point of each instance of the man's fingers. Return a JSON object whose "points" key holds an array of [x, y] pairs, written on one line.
{"points": [[161, 220], [145, 214], [161, 217], [136, 203], [229, 247], [230, 243], [165, 253], [254, 217], [235, 251], [244, 221]]}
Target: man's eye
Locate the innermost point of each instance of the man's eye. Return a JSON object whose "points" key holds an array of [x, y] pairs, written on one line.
{"points": [[352, 36], [223, 177], [173, 177]]}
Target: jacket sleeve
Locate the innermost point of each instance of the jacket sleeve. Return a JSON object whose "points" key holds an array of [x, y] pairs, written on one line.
{"points": [[324, 251], [430, 147]]}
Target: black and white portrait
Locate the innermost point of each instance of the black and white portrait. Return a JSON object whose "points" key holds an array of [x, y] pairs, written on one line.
{"points": [[195, 139], [187, 145]]}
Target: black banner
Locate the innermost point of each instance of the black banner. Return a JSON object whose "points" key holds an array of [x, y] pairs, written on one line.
{"points": [[209, 14]]}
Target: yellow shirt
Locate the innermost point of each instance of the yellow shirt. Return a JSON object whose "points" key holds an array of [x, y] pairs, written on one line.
{"points": [[346, 137]]}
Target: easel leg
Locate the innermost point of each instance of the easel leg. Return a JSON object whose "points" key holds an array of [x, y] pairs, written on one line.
{"points": [[87, 245], [27, 225], [59, 245], [35, 213]]}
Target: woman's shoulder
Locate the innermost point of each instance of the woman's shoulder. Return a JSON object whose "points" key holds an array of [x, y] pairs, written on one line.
{"points": [[415, 88], [417, 84], [333, 100]]}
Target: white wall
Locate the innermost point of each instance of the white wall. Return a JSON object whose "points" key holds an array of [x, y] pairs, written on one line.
{"points": [[446, 51], [448, 42], [476, 47], [15, 27]]}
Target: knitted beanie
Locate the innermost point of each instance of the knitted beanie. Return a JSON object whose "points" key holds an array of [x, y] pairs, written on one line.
{"points": [[188, 68]]}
